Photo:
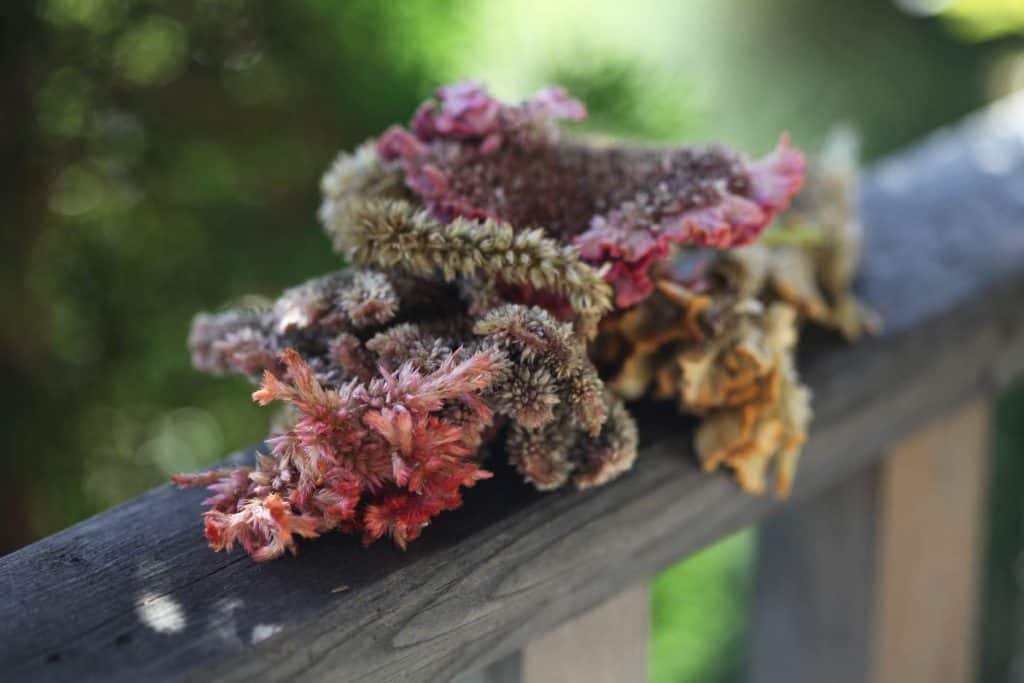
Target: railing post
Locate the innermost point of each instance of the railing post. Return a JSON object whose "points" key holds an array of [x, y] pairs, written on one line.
{"points": [[813, 588], [931, 551], [878, 579], [608, 644]]}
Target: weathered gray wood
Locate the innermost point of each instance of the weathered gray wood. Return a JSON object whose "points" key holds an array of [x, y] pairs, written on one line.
{"points": [[133, 593], [814, 587]]}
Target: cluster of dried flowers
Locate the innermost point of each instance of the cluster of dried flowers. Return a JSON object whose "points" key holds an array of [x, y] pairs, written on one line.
{"points": [[719, 330], [505, 278]]}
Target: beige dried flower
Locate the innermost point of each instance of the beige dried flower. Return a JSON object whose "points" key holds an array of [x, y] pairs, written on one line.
{"points": [[771, 423], [369, 300], [726, 358], [352, 178], [640, 342], [810, 257], [395, 235]]}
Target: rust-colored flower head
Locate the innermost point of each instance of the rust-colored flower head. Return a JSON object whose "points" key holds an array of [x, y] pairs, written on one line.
{"points": [[756, 410]]}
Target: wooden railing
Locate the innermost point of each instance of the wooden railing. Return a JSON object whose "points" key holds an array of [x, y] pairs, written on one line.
{"points": [[869, 572]]}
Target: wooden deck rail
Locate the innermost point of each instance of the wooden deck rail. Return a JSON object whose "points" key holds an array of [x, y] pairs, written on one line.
{"points": [[864, 574]]}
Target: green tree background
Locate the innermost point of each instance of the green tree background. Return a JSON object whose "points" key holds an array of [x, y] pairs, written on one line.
{"points": [[164, 157]]}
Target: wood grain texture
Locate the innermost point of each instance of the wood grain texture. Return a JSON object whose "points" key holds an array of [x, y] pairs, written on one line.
{"points": [[930, 551], [814, 587], [134, 593]]}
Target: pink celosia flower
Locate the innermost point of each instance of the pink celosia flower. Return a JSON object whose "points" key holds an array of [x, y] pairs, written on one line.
{"points": [[466, 111], [228, 487], [382, 456], [402, 516], [469, 155], [266, 528]]}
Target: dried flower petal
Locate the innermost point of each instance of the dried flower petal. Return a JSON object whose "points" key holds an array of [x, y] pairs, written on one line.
{"points": [[771, 425], [355, 177]]}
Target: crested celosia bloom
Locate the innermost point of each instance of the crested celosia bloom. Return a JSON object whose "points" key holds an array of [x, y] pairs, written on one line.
{"points": [[468, 155], [500, 272]]}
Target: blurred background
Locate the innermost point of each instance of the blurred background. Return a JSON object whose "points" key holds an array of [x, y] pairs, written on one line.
{"points": [[163, 158]]}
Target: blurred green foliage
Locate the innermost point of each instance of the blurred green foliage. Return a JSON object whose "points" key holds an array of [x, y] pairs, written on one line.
{"points": [[163, 157], [166, 156], [698, 614], [1002, 606], [984, 19]]}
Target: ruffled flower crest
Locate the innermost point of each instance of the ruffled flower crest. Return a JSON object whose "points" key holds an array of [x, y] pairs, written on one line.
{"points": [[468, 155]]}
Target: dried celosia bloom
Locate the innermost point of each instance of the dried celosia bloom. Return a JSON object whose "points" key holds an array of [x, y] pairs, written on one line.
{"points": [[236, 340], [370, 300], [601, 458], [327, 319], [563, 423], [810, 258], [547, 367], [383, 456], [394, 235], [468, 155], [711, 337], [551, 456], [394, 386], [757, 412], [355, 177], [725, 358], [487, 251]]}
